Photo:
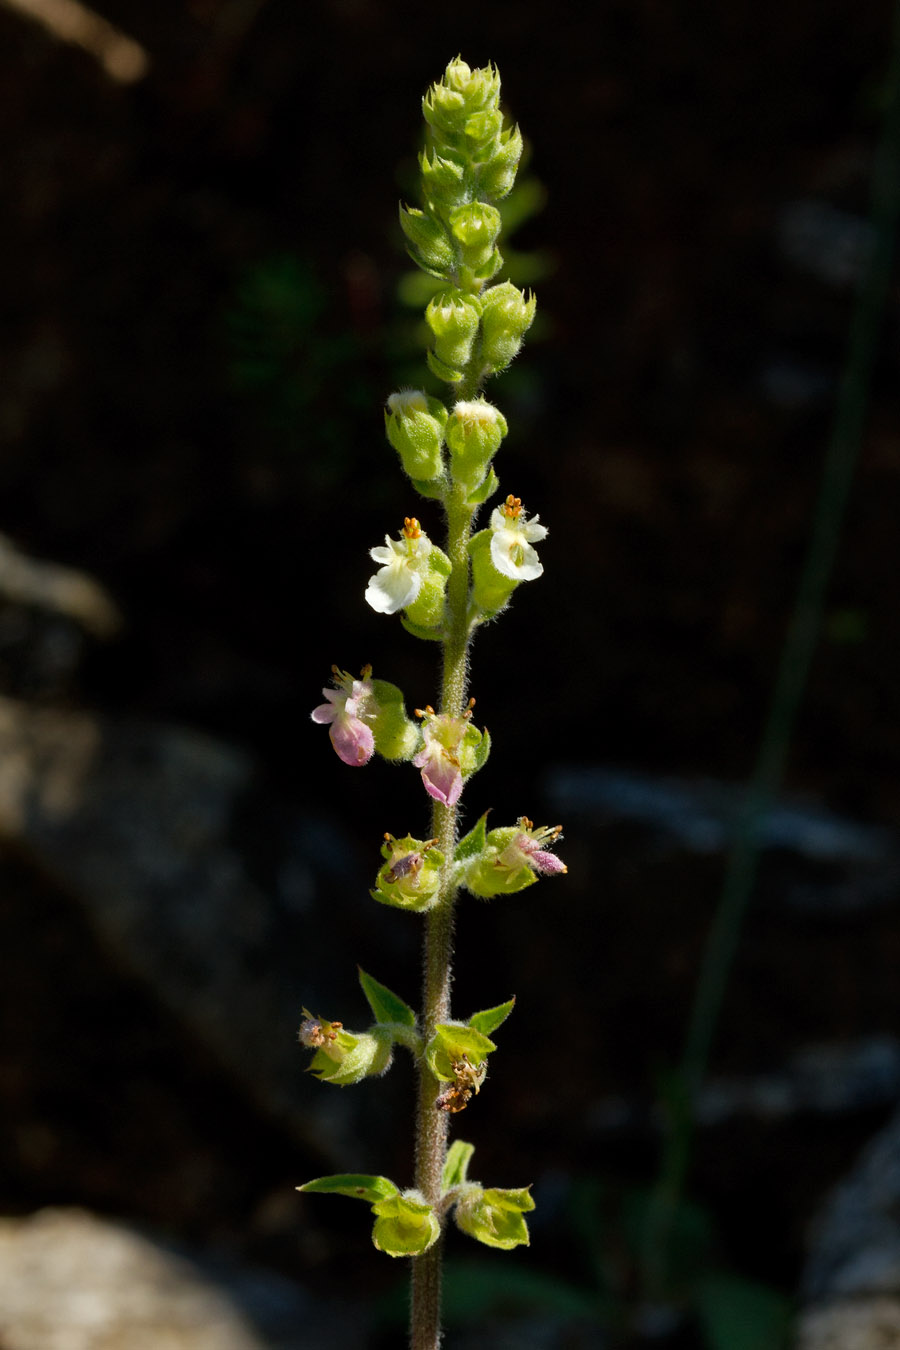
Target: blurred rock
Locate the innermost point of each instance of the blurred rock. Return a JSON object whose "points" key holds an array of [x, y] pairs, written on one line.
{"points": [[867, 1324], [830, 244], [852, 1278], [856, 865], [135, 822], [855, 1247], [72, 1281]]}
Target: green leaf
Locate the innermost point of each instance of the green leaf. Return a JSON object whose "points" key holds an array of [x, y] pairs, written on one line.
{"points": [[474, 842], [491, 1018], [484, 490], [450, 1042], [439, 367], [431, 487], [417, 630], [386, 1005], [354, 1184], [456, 1167], [740, 1314]]}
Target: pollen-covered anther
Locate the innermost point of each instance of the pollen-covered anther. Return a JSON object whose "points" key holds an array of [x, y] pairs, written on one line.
{"points": [[315, 1033], [411, 528], [512, 507], [427, 711]]}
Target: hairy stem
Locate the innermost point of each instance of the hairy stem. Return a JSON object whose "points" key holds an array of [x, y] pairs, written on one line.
{"points": [[431, 1124]]}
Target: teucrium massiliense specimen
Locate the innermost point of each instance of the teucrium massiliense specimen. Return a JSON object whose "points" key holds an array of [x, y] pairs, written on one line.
{"points": [[446, 447]]}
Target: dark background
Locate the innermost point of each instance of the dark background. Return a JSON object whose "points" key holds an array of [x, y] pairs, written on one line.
{"points": [[200, 324]]}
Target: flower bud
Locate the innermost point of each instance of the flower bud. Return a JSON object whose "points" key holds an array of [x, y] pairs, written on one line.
{"points": [[506, 318], [453, 318], [482, 132], [461, 93], [443, 181], [427, 241], [476, 227], [474, 432], [341, 1056], [405, 1225], [411, 875], [415, 428], [494, 1216], [513, 858], [497, 176]]}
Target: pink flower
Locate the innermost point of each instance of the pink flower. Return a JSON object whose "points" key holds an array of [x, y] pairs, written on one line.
{"points": [[526, 847], [439, 758], [349, 704]]}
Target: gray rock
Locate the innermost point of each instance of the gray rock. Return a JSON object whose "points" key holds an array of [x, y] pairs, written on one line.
{"points": [[855, 1242], [869, 1324], [857, 865], [71, 1281], [134, 821]]}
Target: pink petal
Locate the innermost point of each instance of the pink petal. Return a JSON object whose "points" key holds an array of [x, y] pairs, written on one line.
{"points": [[353, 740]]}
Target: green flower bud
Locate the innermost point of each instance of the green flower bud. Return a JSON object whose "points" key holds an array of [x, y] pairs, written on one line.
{"points": [[427, 609], [507, 317], [411, 875], [341, 1056], [493, 1216], [415, 428], [443, 181], [427, 241], [497, 176], [480, 88], [461, 93], [474, 431], [483, 131], [453, 318], [405, 1225], [476, 227], [396, 737], [491, 591]]}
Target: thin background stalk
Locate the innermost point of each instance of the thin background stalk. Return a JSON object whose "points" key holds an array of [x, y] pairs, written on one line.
{"points": [[796, 657]]}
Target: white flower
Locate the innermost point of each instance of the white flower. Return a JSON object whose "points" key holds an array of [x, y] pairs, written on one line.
{"points": [[398, 581], [511, 543]]}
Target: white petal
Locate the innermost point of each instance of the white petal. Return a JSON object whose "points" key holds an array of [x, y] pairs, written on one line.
{"points": [[393, 588], [513, 557]]}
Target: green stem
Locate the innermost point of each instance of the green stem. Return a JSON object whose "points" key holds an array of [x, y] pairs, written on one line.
{"points": [[431, 1124], [796, 657]]}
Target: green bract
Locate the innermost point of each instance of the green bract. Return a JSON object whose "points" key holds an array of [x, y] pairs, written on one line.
{"points": [[411, 875], [427, 610], [405, 1226], [493, 1216], [453, 1043], [396, 736], [349, 1057], [491, 591]]}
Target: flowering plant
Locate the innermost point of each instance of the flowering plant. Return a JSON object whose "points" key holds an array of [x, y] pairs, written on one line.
{"points": [[443, 595]]}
